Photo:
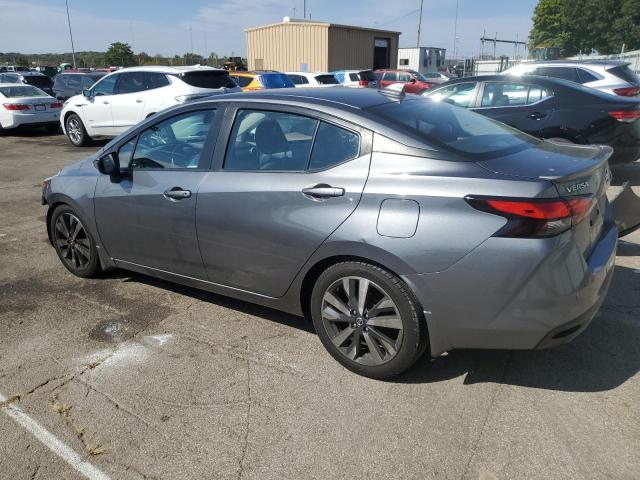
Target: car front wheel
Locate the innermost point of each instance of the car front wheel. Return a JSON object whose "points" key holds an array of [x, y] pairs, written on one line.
{"points": [[73, 242], [76, 132], [368, 319]]}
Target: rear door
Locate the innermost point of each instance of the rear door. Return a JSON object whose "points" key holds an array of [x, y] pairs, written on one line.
{"points": [[524, 106], [284, 183]]}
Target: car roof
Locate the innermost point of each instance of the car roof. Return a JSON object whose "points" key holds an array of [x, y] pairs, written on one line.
{"points": [[170, 70], [5, 84], [309, 73], [26, 74], [614, 62], [93, 74]]}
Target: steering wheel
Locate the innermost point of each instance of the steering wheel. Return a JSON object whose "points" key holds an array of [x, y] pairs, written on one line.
{"points": [[183, 155]]}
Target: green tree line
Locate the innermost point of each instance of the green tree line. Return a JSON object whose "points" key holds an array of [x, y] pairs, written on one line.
{"points": [[118, 54], [573, 26]]}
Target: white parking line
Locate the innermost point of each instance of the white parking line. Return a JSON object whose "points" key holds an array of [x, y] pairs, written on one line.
{"points": [[51, 442]]}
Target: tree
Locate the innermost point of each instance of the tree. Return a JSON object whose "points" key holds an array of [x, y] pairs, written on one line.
{"points": [[120, 54], [582, 25]]}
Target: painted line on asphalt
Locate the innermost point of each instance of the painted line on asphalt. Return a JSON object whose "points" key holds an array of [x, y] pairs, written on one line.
{"points": [[50, 441]]}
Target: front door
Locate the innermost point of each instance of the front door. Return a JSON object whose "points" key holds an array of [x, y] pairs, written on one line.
{"points": [[127, 107], [523, 106], [96, 112], [286, 182], [148, 217]]}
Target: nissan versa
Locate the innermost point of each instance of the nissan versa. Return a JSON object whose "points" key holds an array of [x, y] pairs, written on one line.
{"points": [[399, 224]]}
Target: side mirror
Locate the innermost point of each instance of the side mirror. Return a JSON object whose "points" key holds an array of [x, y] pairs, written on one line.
{"points": [[109, 165], [87, 92], [413, 80]]}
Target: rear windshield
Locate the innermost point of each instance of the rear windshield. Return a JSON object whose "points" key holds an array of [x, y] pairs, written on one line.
{"points": [[38, 80], [20, 91], [208, 79], [327, 79], [454, 129], [367, 75], [625, 73], [276, 80]]}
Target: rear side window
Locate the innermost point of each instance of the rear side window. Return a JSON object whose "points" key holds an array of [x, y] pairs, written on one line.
{"points": [[262, 140], [327, 80], [404, 76], [503, 94], [73, 81], [41, 81], [208, 79], [354, 77], [566, 73], [625, 73], [156, 80], [332, 146], [298, 79], [276, 80], [367, 75], [585, 76], [243, 81], [390, 77]]}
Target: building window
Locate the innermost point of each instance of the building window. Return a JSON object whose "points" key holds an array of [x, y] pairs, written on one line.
{"points": [[404, 61]]}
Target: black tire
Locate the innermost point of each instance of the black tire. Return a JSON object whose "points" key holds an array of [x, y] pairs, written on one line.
{"points": [[78, 254], [76, 133], [411, 339]]}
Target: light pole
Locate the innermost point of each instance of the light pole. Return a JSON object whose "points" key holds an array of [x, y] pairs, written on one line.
{"points": [[455, 34], [419, 24], [73, 50]]}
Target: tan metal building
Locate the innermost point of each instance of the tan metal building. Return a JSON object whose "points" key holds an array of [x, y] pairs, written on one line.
{"points": [[293, 44]]}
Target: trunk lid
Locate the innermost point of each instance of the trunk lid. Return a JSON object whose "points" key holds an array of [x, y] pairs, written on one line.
{"points": [[574, 170]]}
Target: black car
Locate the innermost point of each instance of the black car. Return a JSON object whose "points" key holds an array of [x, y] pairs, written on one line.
{"points": [[69, 84], [35, 79], [551, 108]]}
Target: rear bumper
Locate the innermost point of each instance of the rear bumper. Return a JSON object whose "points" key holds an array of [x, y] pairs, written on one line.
{"points": [[516, 293], [33, 119]]}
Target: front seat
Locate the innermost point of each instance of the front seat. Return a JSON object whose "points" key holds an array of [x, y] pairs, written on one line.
{"points": [[273, 147]]}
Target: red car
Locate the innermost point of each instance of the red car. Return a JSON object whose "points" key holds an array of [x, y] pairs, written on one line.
{"points": [[414, 81]]}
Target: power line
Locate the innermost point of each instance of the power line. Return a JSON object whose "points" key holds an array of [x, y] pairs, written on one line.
{"points": [[399, 18]]}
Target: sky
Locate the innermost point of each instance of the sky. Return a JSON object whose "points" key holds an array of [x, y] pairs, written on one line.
{"points": [[171, 27]]}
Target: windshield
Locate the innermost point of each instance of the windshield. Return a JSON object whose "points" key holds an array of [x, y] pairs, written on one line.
{"points": [[208, 79], [38, 80], [276, 80], [21, 91], [454, 129]]}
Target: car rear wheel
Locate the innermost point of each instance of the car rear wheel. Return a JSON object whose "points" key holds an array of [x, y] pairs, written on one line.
{"points": [[368, 319], [76, 132], [73, 243]]}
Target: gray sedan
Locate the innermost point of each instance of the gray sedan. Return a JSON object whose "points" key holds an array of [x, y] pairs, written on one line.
{"points": [[398, 224]]}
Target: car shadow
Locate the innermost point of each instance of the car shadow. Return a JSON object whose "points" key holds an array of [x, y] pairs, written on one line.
{"points": [[605, 356], [241, 306], [26, 131], [626, 172]]}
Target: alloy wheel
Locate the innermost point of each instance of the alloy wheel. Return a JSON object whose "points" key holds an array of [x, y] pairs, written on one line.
{"points": [[362, 320], [72, 241], [74, 130]]}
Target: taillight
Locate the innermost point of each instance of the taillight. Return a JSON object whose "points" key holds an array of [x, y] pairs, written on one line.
{"points": [[55, 105], [627, 91], [626, 116], [16, 106], [363, 83], [535, 218]]}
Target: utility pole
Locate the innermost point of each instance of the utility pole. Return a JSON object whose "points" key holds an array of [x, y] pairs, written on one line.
{"points": [[419, 24], [455, 35], [191, 38], [304, 9], [73, 50]]}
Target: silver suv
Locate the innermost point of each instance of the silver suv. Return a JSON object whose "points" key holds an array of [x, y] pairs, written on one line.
{"points": [[610, 76]]}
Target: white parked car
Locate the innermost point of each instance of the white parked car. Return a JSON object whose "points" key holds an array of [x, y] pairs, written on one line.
{"points": [[356, 78], [314, 79], [123, 98], [27, 105]]}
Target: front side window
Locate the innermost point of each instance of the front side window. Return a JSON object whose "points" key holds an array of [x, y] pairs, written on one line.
{"points": [[262, 140], [125, 153], [459, 94], [106, 86], [471, 135], [298, 79], [390, 77], [404, 77], [177, 142]]}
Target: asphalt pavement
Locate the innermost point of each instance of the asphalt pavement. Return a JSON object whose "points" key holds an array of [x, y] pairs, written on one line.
{"points": [[128, 377]]}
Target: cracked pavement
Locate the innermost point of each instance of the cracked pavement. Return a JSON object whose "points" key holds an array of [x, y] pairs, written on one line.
{"points": [[147, 379]]}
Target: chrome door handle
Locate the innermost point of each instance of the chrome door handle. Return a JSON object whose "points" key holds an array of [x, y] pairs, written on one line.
{"points": [[138, 101], [323, 191], [177, 193], [105, 102]]}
